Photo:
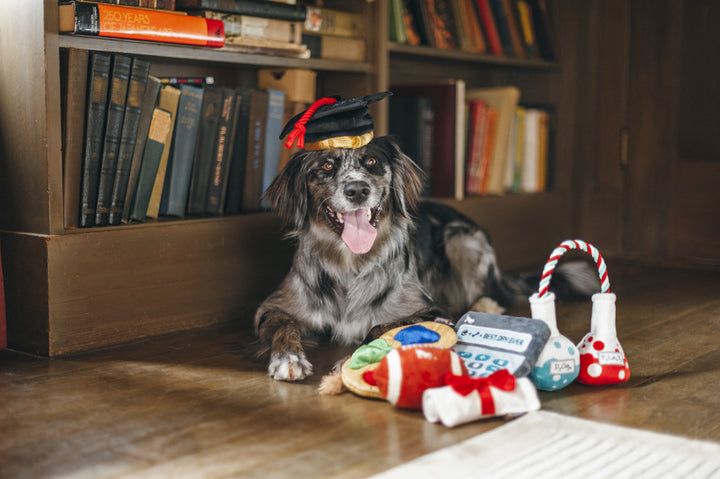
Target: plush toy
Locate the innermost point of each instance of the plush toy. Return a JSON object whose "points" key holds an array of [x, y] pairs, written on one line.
{"points": [[466, 399], [357, 371], [559, 362], [405, 373], [599, 359], [491, 342]]}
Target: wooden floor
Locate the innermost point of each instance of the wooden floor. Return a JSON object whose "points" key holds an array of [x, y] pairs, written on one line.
{"points": [[188, 406]]}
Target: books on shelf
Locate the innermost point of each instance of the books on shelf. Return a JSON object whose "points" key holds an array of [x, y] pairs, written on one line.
{"points": [[447, 177], [139, 24], [188, 148], [510, 28], [475, 141]]}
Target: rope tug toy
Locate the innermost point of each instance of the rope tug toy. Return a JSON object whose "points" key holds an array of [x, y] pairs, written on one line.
{"points": [[599, 358]]}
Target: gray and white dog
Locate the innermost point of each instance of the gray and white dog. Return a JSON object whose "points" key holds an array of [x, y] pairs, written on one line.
{"points": [[370, 255]]}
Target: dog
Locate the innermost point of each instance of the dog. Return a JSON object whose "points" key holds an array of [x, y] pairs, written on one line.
{"points": [[370, 254]]}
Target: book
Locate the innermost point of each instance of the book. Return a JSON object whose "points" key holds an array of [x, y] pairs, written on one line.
{"points": [[180, 164], [447, 174], [475, 41], [152, 90], [256, 8], [487, 19], [488, 149], [273, 127], [524, 14], [252, 186], [74, 79], [168, 101], [128, 137], [541, 26], [117, 97], [510, 163], [438, 23], [514, 184], [336, 48], [94, 134], [514, 28], [411, 123], [477, 124], [397, 31], [207, 129], [327, 21], [505, 100], [503, 27], [217, 181], [139, 24], [267, 47], [412, 29], [542, 156], [255, 27], [236, 173], [158, 4], [158, 137], [530, 174]]}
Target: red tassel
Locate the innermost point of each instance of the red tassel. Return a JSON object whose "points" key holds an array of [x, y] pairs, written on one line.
{"points": [[298, 131]]}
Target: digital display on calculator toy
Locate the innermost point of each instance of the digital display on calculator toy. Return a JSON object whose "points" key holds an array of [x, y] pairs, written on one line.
{"points": [[488, 343], [481, 361]]}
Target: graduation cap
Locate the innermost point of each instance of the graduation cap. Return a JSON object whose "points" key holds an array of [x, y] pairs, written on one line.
{"points": [[333, 123]]}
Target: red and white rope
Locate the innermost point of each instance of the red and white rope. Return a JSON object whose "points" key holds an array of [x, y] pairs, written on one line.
{"points": [[563, 248]]}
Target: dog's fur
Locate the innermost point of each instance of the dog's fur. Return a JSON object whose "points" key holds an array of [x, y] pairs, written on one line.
{"points": [[427, 260]]}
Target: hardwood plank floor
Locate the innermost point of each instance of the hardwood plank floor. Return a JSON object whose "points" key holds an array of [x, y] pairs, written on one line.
{"points": [[186, 405]]}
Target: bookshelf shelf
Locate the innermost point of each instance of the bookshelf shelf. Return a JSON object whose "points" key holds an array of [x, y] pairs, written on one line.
{"points": [[205, 55], [423, 52]]}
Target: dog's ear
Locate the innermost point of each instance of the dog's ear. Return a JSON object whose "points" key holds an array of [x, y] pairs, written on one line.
{"points": [[287, 194], [408, 179]]}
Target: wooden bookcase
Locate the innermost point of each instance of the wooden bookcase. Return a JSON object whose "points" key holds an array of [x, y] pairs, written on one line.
{"points": [[74, 290]]}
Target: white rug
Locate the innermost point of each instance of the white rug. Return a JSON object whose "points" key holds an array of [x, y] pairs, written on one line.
{"points": [[548, 445]]}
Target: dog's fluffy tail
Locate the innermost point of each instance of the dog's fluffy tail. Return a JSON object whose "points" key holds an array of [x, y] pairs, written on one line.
{"points": [[571, 280]]}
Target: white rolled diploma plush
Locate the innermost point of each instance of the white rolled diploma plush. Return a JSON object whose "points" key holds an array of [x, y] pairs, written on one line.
{"points": [[446, 406]]}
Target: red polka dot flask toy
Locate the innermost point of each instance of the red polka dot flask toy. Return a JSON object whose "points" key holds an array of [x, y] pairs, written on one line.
{"points": [[602, 360]]}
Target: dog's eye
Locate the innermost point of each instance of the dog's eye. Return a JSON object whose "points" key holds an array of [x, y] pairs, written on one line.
{"points": [[371, 161], [328, 166]]}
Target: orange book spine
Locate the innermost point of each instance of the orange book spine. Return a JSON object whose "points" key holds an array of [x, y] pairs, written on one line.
{"points": [[140, 24]]}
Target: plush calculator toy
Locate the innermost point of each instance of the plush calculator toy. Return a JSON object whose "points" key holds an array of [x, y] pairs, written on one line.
{"points": [[357, 372], [490, 342]]}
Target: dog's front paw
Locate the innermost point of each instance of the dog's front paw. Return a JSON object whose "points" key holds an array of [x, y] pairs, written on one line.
{"points": [[286, 366]]}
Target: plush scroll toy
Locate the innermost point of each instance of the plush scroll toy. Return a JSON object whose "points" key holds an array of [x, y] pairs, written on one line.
{"points": [[599, 358], [465, 399], [357, 372]]}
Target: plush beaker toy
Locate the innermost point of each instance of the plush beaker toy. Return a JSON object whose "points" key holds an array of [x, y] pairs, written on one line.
{"points": [[602, 360], [559, 361]]}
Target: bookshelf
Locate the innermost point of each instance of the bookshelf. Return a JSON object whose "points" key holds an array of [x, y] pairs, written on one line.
{"points": [[70, 290]]}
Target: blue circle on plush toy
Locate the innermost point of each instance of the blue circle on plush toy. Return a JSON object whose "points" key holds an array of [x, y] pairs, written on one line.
{"points": [[416, 334]]}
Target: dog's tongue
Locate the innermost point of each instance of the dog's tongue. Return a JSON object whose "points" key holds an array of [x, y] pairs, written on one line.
{"points": [[358, 233]]}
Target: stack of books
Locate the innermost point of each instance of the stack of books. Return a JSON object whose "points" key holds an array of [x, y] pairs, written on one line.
{"points": [[138, 147]]}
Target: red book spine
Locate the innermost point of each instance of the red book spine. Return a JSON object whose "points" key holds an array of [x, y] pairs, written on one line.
{"points": [[488, 23], [142, 24]]}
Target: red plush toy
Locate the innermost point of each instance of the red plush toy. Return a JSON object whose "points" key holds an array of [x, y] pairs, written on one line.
{"points": [[405, 373]]}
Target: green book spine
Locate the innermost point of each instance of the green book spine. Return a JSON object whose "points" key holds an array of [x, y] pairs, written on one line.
{"points": [[157, 137]]}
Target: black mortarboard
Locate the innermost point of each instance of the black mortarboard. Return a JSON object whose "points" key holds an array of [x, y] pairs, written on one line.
{"points": [[333, 123]]}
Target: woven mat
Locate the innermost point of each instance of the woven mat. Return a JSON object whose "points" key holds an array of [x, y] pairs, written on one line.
{"points": [[548, 445]]}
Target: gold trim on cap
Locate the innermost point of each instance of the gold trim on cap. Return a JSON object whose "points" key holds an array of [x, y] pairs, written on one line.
{"points": [[350, 142]]}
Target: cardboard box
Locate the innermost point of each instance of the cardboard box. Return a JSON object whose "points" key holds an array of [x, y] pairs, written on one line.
{"points": [[298, 84]]}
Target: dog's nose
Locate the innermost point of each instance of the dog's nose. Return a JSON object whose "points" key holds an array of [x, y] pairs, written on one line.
{"points": [[357, 191]]}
